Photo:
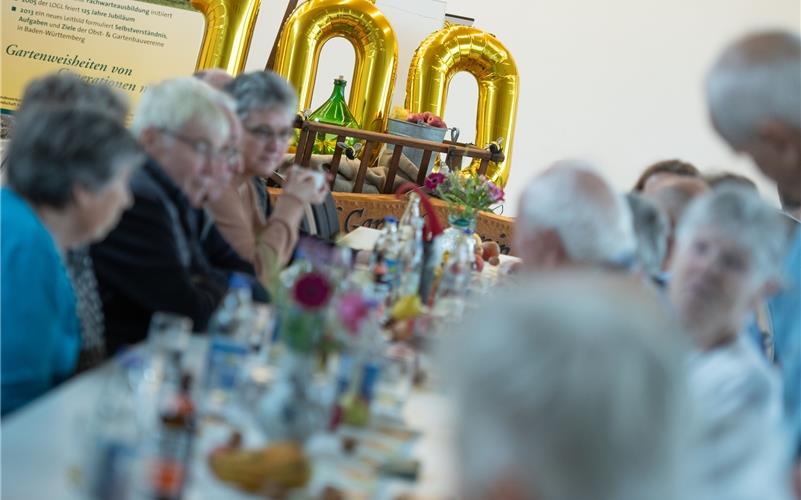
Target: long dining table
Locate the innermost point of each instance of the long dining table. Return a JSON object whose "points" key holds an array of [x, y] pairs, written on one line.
{"points": [[44, 447]]}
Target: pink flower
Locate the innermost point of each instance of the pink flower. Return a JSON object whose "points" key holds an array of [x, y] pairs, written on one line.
{"points": [[312, 291], [353, 310], [434, 180], [495, 192]]}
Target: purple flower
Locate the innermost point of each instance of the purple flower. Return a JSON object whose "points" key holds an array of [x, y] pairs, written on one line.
{"points": [[312, 291], [495, 192], [353, 310], [434, 180]]}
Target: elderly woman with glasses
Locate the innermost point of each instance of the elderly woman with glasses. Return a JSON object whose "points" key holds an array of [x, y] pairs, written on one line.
{"points": [[263, 234], [729, 246], [68, 173]]}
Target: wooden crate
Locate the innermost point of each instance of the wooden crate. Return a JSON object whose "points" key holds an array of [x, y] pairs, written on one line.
{"points": [[454, 152]]}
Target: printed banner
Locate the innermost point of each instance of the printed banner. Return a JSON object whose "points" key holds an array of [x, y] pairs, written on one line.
{"points": [[126, 44]]}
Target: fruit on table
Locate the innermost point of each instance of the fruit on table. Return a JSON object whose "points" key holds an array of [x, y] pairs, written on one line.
{"points": [[280, 466], [490, 249]]}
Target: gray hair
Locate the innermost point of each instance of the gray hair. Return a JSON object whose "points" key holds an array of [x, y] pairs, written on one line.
{"points": [[652, 229], [172, 104], [757, 78], [573, 387], [262, 89], [55, 150], [68, 89], [591, 218], [741, 214]]}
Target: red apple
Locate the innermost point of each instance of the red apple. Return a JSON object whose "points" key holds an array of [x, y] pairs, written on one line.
{"points": [[490, 249]]}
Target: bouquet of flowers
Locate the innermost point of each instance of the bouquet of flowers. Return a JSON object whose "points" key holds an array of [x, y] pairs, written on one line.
{"points": [[467, 195]]}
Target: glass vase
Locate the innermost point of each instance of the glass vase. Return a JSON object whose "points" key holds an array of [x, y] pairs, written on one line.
{"points": [[294, 408], [459, 220], [334, 111]]}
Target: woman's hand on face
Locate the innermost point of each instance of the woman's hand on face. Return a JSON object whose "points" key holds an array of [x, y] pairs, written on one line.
{"points": [[307, 185]]}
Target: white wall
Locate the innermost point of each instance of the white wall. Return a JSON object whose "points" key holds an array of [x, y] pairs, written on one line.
{"points": [[618, 82]]}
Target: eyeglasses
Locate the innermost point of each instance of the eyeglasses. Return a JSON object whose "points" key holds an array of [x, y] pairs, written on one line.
{"points": [[267, 134], [200, 146], [230, 154]]}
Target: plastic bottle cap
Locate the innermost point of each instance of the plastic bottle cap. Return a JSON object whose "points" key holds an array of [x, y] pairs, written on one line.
{"points": [[389, 219], [238, 281]]}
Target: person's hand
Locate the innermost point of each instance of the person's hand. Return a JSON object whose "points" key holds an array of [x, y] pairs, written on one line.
{"points": [[306, 185]]}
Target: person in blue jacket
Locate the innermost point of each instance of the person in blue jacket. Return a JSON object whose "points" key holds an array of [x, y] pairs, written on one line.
{"points": [[754, 96], [67, 172]]}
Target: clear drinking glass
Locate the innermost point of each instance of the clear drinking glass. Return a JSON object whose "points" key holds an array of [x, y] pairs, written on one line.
{"points": [[169, 333], [263, 325], [395, 381]]}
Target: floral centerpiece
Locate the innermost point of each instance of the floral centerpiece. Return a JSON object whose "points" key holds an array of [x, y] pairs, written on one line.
{"points": [[303, 321], [466, 195], [292, 409]]}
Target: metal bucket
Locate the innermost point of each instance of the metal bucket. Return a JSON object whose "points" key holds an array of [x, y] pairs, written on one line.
{"points": [[409, 129]]}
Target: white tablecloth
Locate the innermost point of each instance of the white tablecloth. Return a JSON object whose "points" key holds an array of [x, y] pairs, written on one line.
{"points": [[43, 445]]}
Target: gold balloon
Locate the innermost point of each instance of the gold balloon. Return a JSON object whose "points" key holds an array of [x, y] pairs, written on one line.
{"points": [[360, 22], [456, 48], [229, 29]]}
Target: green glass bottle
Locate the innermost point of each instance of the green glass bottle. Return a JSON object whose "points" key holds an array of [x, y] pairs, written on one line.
{"points": [[334, 111]]}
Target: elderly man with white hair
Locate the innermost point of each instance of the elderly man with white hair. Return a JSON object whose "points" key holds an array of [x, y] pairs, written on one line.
{"points": [[729, 246], [155, 260], [565, 393], [754, 96], [570, 215]]}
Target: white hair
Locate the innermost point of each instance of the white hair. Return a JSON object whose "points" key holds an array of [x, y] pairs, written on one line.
{"points": [[574, 389], [742, 215], [172, 104], [757, 78], [592, 220]]}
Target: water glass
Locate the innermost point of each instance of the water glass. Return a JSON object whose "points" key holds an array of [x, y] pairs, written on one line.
{"points": [[395, 381], [169, 334]]}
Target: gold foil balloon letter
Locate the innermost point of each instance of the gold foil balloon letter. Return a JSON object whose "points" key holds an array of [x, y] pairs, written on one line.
{"points": [[458, 48], [360, 22], [229, 29]]}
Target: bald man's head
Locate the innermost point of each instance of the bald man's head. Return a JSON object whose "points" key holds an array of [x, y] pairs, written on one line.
{"points": [[215, 77], [754, 97]]}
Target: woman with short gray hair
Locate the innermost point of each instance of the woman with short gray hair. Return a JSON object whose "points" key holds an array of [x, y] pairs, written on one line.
{"points": [[66, 89], [264, 234], [729, 246], [68, 172]]}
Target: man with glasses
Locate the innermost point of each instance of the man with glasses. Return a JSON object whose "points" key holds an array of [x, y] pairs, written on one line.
{"points": [[155, 259]]}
